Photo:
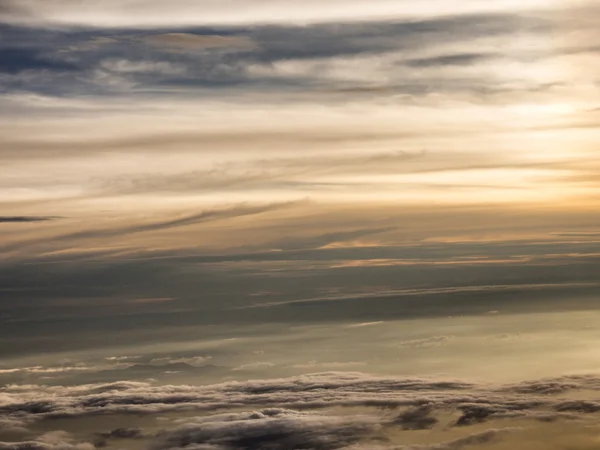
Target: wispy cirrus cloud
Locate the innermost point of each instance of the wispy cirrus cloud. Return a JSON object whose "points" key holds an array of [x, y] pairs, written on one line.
{"points": [[153, 14], [194, 219]]}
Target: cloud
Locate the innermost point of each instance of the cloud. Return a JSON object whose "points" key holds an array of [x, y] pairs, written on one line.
{"points": [[20, 147], [189, 41], [300, 412], [124, 66], [474, 439], [366, 324], [417, 418], [26, 219], [17, 60], [579, 406], [10, 8], [331, 365], [186, 13], [305, 392], [192, 361], [118, 433], [265, 173], [204, 216], [193, 219], [474, 414], [325, 239], [458, 59], [273, 429], [125, 433], [382, 57], [13, 425], [51, 282], [54, 440], [414, 292], [260, 365], [433, 341]]}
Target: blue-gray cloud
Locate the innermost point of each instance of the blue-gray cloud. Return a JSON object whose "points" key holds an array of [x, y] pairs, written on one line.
{"points": [[225, 57]]}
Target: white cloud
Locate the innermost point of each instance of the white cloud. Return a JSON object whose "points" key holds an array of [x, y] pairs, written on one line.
{"points": [[260, 365], [153, 13], [124, 66], [192, 361]]}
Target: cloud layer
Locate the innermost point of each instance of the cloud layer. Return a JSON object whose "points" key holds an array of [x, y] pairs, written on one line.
{"points": [[297, 412]]}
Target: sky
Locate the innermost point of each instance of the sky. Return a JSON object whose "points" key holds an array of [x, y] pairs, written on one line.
{"points": [[299, 225]]}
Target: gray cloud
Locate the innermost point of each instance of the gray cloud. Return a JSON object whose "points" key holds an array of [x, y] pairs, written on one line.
{"points": [[26, 219], [430, 280], [473, 414], [280, 414], [273, 429], [36, 445], [458, 59], [54, 440], [417, 418], [190, 41], [233, 57], [118, 433], [483, 437], [478, 402]]}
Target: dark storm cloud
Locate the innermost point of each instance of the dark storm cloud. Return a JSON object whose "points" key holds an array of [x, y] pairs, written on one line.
{"points": [[26, 219]]}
